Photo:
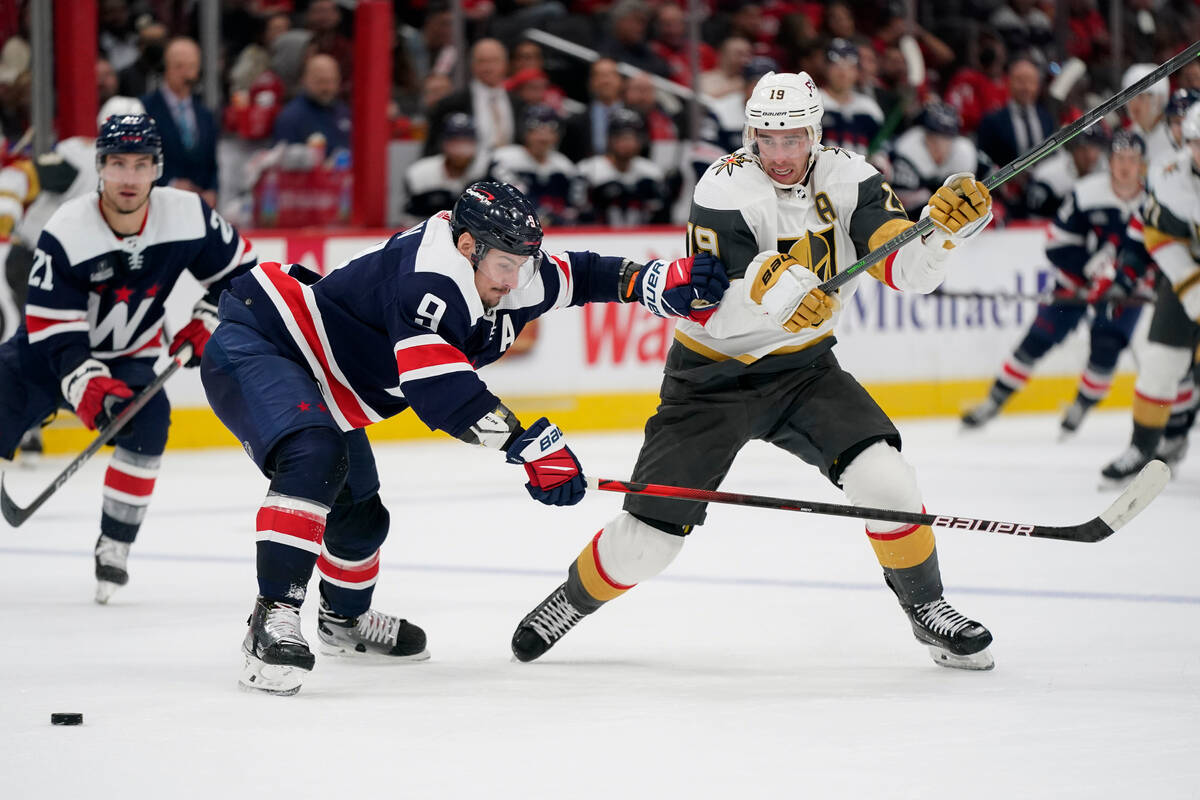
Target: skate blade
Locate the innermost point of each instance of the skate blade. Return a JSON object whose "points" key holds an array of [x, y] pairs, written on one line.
{"points": [[337, 651], [1065, 435], [105, 590], [976, 661], [279, 679]]}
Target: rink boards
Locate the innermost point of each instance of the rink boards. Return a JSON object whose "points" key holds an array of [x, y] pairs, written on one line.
{"points": [[598, 368]]}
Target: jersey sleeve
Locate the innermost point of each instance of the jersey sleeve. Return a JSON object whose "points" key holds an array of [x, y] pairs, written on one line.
{"points": [[726, 234], [1067, 245], [429, 326], [1168, 239], [877, 215], [56, 315], [577, 278], [224, 255]]}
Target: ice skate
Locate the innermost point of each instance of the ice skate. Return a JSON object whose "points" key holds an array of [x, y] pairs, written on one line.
{"points": [[545, 625], [1172, 450], [372, 635], [1071, 420], [31, 448], [981, 414], [953, 640], [277, 656], [1124, 468], [111, 572]]}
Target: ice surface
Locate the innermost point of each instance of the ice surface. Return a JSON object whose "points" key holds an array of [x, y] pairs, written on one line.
{"points": [[769, 661]]}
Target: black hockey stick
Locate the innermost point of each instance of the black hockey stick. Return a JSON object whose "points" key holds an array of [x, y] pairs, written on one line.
{"points": [[1020, 163], [1144, 488], [15, 514]]}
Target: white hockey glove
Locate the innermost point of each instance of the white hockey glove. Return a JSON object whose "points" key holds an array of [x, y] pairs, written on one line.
{"points": [[961, 208], [786, 291]]}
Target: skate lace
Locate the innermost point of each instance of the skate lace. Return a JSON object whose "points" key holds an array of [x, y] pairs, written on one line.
{"points": [[112, 553], [941, 618], [555, 618], [377, 627], [1129, 459], [283, 623]]}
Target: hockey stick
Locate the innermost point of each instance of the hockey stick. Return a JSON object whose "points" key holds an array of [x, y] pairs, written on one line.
{"points": [[1020, 163], [1143, 489], [15, 514], [1020, 297]]}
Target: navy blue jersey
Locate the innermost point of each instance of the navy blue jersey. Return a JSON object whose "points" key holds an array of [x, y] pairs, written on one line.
{"points": [[93, 294], [401, 324], [852, 125], [1091, 217], [553, 186]]}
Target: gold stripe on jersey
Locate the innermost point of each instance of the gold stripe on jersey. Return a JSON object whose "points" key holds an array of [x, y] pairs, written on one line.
{"points": [[1187, 283], [1156, 238], [1151, 413], [888, 231], [904, 548], [714, 355], [595, 582]]}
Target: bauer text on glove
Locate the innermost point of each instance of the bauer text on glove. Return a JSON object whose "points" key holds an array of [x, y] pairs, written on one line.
{"points": [[555, 476]]}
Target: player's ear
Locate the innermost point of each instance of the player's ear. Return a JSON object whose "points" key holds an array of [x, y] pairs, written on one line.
{"points": [[465, 244]]}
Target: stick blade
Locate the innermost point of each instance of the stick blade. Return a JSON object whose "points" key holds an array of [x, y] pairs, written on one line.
{"points": [[1137, 495], [13, 514]]}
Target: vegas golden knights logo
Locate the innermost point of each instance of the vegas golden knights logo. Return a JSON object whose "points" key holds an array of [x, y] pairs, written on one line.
{"points": [[817, 251]]}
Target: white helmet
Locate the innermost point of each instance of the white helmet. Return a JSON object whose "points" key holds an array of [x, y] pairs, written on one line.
{"points": [[784, 101], [1190, 127], [119, 106], [1160, 89]]}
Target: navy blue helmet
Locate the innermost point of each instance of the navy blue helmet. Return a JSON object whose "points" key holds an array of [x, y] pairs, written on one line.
{"points": [[1125, 139], [622, 120], [458, 126], [943, 118], [537, 116], [130, 133], [498, 216], [1181, 100]]}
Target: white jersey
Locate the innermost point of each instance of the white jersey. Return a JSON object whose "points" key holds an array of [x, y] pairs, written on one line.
{"points": [[1159, 144], [841, 212], [1172, 217], [624, 198], [917, 176], [430, 188], [553, 185], [75, 155]]}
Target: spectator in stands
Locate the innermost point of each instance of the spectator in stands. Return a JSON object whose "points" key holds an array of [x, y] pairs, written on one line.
{"points": [[324, 19], [586, 133], [1023, 25], [188, 129], [1088, 39], [255, 58], [317, 111], [548, 178], [888, 91], [289, 53], [118, 39], [839, 21], [484, 99], [434, 89], [1016, 128], [432, 45], [144, 75], [727, 79], [623, 188], [893, 25], [669, 43], [106, 80], [433, 183], [977, 91], [1147, 24], [528, 61], [729, 111], [852, 120], [625, 42], [1188, 76], [662, 143], [926, 155]]}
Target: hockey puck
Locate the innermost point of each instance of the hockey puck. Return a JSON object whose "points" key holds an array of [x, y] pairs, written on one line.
{"points": [[66, 719]]}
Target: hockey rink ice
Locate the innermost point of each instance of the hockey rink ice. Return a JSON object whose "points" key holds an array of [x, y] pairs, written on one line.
{"points": [[768, 661]]}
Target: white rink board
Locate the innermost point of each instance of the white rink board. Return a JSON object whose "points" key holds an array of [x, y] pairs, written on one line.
{"points": [[886, 336]]}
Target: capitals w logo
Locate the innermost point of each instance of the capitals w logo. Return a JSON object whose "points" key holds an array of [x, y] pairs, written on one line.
{"points": [[117, 323]]}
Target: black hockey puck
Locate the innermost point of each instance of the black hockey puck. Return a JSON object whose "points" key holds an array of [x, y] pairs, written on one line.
{"points": [[66, 719]]}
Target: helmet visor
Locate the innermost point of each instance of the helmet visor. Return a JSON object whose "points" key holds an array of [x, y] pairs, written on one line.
{"points": [[509, 270], [129, 168]]}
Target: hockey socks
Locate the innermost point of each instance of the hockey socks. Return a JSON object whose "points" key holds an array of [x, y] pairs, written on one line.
{"points": [[289, 534]]}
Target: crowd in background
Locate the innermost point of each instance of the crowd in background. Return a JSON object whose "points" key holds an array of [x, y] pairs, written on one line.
{"points": [[593, 141]]}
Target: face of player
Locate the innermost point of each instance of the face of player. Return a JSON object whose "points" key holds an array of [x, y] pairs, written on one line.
{"points": [[540, 140], [939, 147], [1085, 157], [784, 154], [1145, 108], [127, 181], [498, 273], [1125, 166]]}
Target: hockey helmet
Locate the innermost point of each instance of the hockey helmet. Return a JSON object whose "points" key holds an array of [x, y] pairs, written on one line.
{"points": [[539, 116], [497, 215], [118, 106], [941, 118], [1160, 89], [130, 133], [625, 120], [1191, 123], [1125, 139], [1181, 101], [458, 126], [783, 101]]}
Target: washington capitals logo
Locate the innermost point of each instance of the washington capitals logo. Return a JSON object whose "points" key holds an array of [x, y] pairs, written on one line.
{"points": [[727, 163]]}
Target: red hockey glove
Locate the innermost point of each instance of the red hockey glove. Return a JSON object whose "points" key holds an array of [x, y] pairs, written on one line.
{"points": [[555, 476], [686, 287], [196, 332], [94, 393]]}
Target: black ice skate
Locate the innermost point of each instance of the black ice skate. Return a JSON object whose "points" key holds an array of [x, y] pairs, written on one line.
{"points": [[372, 635], [953, 640], [277, 657], [1171, 450], [981, 414], [1072, 420], [545, 625], [111, 572], [31, 447], [1124, 468]]}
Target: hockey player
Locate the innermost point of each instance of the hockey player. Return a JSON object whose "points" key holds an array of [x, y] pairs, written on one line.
{"points": [[1147, 112], [433, 182], [784, 214], [296, 368], [1171, 239], [1083, 243], [623, 188], [852, 119], [1052, 180], [924, 156], [93, 329], [539, 170]]}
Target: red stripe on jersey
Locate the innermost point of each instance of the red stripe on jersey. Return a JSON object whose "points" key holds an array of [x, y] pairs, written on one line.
{"points": [[1136, 223], [293, 296], [35, 324], [1158, 401], [428, 355], [155, 342], [1092, 384], [892, 535], [1009, 369], [600, 568], [887, 270], [300, 524], [129, 484], [359, 573]]}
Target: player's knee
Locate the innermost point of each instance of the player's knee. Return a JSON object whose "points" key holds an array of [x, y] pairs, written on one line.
{"points": [[630, 551], [879, 477], [1161, 369], [310, 463], [356, 530]]}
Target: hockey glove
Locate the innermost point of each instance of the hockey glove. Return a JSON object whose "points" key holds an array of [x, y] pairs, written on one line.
{"points": [[961, 208], [196, 332], [555, 476], [786, 291], [686, 287], [94, 393]]}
